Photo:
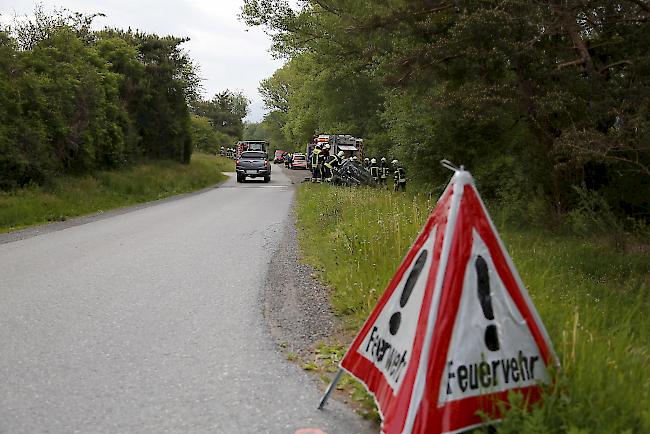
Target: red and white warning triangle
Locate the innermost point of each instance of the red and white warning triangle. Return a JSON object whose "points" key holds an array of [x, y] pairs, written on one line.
{"points": [[455, 330]]}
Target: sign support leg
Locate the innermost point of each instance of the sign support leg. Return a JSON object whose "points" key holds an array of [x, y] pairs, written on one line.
{"points": [[336, 379]]}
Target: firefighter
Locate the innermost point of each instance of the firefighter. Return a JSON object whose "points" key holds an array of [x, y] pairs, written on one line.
{"points": [[383, 172], [333, 164], [374, 170], [324, 158], [315, 170], [366, 163], [321, 161], [399, 176]]}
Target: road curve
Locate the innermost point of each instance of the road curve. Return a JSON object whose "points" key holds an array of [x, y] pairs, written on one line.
{"points": [[149, 321]]}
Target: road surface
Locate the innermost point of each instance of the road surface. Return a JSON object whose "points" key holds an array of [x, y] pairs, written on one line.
{"points": [[149, 321]]}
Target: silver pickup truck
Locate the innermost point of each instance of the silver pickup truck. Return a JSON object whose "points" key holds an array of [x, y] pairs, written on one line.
{"points": [[253, 164]]}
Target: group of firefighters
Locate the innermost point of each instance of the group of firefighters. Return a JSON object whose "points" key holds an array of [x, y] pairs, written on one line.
{"points": [[325, 165]]}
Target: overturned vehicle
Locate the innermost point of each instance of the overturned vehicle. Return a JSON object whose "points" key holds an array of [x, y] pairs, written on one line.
{"points": [[351, 174]]}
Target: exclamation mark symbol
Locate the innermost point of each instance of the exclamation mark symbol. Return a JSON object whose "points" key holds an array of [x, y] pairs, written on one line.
{"points": [[485, 298], [396, 318]]}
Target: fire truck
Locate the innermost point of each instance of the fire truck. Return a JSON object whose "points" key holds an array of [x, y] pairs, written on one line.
{"points": [[251, 145], [350, 145]]}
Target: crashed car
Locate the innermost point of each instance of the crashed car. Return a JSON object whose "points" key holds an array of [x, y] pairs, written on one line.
{"points": [[351, 174]]}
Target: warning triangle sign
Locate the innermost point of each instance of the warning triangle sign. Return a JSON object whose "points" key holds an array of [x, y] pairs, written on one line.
{"points": [[455, 330]]}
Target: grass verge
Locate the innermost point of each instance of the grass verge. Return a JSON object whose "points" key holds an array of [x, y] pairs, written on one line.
{"points": [[592, 298], [67, 197]]}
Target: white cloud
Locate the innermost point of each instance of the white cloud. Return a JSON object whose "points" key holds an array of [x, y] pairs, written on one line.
{"points": [[231, 56]]}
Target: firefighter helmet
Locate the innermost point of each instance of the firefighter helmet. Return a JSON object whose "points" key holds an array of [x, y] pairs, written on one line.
{"points": [[394, 162], [383, 159], [373, 161]]}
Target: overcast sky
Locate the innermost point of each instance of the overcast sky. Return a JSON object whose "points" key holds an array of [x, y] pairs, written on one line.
{"points": [[231, 56]]}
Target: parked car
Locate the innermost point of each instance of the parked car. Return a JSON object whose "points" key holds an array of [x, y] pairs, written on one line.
{"points": [[279, 156], [299, 161], [253, 164]]}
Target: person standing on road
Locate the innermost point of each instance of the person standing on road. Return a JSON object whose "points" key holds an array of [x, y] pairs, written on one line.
{"points": [[325, 157], [374, 170], [315, 171], [321, 163], [383, 172], [399, 176]]}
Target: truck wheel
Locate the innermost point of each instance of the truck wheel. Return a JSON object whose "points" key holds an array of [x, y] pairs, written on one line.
{"points": [[240, 178], [267, 179]]}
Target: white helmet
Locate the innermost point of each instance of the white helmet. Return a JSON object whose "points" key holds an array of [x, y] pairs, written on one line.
{"points": [[327, 146], [366, 159], [373, 161], [340, 154], [394, 162], [354, 158], [383, 159]]}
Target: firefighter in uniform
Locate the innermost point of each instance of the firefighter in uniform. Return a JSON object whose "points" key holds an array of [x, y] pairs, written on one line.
{"points": [[321, 163], [366, 163], [383, 172], [399, 176], [324, 158], [315, 170], [374, 170], [333, 163]]}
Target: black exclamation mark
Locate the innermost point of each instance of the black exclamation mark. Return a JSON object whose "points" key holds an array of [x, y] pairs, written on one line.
{"points": [[484, 297], [396, 318]]}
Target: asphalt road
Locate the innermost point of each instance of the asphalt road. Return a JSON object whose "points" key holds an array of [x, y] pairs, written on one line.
{"points": [[149, 321]]}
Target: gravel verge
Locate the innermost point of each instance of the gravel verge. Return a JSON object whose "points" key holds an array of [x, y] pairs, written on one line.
{"points": [[295, 304]]}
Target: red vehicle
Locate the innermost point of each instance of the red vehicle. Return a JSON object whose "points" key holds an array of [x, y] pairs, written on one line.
{"points": [[279, 156], [299, 161]]}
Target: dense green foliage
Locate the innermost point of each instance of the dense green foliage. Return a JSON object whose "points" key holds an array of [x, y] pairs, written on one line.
{"points": [[69, 196], [546, 102], [74, 100], [225, 111], [592, 297]]}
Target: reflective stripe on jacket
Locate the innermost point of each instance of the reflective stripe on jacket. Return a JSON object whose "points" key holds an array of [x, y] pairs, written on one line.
{"points": [[400, 175], [314, 157], [332, 162]]}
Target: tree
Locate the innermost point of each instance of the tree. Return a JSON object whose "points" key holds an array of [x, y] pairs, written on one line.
{"points": [[226, 111], [74, 100], [556, 97]]}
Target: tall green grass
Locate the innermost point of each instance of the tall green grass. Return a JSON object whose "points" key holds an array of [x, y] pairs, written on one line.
{"points": [[593, 299], [66, 197]]}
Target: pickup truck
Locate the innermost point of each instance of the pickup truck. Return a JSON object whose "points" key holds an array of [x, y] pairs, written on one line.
{"points": [[253, 164]]}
